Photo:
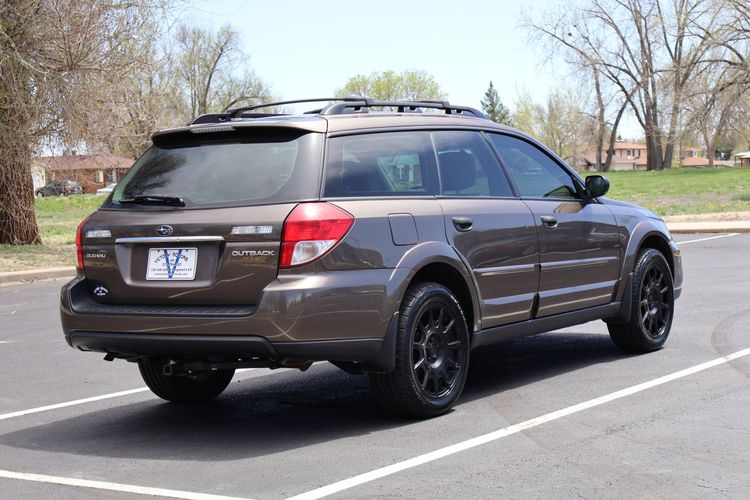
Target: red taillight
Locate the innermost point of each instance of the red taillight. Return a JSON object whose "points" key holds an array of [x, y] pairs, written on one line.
{"points": [[79, 243], [311, 231]]}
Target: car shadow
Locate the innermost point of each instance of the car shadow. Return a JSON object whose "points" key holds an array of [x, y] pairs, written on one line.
{"points": [[271, 414]]}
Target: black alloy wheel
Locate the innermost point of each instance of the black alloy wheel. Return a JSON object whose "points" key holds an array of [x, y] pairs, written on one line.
{"points": [[655, 302], [437, 357], [432, 354], [651, 306]]}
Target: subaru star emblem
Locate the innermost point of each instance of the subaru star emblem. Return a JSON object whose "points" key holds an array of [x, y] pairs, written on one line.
{"points": [[164, 230]]}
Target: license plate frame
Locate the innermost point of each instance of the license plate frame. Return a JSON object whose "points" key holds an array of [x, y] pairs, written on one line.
{"points": [[171, 264]]}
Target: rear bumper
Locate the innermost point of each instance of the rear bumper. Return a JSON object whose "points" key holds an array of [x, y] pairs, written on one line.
{"points": [[336, 316], [376, 354]]}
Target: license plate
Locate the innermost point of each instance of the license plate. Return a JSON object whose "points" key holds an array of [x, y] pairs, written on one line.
{"points": [[171, 264]]}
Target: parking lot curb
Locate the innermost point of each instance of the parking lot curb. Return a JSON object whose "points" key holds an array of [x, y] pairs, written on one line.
{"points": [[14, 277], [709, 227]]}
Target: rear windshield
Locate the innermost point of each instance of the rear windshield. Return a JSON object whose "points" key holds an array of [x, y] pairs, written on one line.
{"points": [[226, 171]]}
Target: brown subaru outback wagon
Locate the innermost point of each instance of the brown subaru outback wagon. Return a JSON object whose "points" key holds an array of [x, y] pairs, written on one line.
{"points": [[389, 238]]}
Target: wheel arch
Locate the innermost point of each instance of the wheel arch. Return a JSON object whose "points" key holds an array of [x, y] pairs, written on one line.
{"points": [[646, 234], [440, 263]]}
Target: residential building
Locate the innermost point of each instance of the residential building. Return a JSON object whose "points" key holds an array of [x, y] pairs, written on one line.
{"points": [[90, 171]]}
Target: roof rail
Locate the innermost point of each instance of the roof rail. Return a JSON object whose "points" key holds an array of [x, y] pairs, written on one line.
{"points": [[338, 106], [357, 105]]}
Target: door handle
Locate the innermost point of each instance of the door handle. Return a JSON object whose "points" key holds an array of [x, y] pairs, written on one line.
{"points": [[549, 221], [462, 224]]}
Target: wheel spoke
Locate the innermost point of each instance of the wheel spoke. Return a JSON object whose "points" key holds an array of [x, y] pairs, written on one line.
{"points": [[419, 364], [449, 326]]}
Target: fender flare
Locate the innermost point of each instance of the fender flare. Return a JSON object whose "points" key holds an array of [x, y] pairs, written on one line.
{"points": [[641, 231], [433, 252]]}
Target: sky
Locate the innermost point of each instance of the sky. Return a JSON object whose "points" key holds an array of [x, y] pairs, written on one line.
{"points": [[310, 49]]}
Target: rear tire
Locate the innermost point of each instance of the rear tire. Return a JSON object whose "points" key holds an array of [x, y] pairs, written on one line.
{"points": [[432, 355], [192, 388], [652, 306]]}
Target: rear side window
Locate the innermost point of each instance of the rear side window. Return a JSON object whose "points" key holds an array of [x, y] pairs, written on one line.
{"points": [[262, 168], [467, 166], [536, 175], [387, 164]]}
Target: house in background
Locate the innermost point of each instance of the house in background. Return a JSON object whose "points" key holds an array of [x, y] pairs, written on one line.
{"points": [[90, 171], [701, 162], [742, 159], [627, 156], [633, 156]]}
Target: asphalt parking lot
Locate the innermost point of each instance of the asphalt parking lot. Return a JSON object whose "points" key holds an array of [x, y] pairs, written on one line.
{"points": [[562, 415]]}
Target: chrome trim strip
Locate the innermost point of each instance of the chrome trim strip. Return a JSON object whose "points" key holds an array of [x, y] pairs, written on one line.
{"points": [[570, 264], [170, 239], [496, 271]]}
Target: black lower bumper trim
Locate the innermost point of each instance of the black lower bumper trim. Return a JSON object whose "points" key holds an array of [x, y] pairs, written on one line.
{"points": [[377, 354], [148, 344]]}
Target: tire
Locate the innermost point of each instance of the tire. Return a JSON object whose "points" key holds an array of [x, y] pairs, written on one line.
{"points": [[652, 306], [432, 355], [193, 388]]}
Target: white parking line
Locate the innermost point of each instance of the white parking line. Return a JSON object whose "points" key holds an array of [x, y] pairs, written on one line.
{"points": [[709, 238], [85, 400], [103, 485], [72, 403], [388, 470]]}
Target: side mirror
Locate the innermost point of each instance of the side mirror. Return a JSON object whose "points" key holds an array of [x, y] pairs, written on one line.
{"points": [[596, 185]]}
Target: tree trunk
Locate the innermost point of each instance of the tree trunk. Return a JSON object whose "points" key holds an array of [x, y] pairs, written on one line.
{"points": [[601, 125], [613, 137], [17, 211]]}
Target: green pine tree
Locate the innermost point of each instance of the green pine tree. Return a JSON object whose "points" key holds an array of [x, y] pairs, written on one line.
{"points": [[494, 107]]}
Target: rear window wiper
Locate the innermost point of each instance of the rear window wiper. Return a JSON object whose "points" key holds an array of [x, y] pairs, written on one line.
{"points": [[154, 199]]}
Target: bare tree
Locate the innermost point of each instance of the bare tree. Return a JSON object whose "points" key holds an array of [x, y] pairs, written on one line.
{"points": [[650, 52], [715, 107], [213, 71], [559, 122], [57, 58]]}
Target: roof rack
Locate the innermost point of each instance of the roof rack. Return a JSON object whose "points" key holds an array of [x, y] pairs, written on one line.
{"points": [[338, 106], [363, 103]]}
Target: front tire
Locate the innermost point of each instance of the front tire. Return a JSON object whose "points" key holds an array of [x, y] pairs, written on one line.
{"points": [[192, 388], [652, 306], [432, 355]]}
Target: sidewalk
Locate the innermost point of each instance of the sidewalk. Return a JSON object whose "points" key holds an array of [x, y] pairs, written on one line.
{"points": [[734, 226], [30, 275]]}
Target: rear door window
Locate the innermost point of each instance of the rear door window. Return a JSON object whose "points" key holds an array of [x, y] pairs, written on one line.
{"points": [[234, 170], [381, 164], [467, 165]]}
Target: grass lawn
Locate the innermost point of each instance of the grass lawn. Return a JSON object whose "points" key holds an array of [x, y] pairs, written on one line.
{"points": [[683, 190], [669, 192], [58, 218]]}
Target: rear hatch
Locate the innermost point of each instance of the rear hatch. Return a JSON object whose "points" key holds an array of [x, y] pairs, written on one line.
{"points": [[198, 219]]}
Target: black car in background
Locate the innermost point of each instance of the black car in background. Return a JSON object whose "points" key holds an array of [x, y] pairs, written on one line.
{"points": [[60, 187]]}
